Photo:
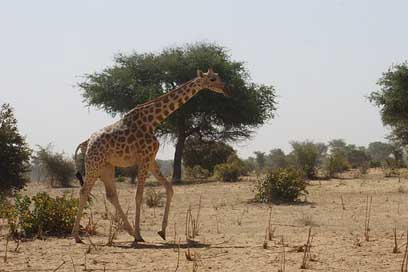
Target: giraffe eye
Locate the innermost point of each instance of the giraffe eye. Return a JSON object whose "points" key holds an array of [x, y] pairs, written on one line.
{"points": [[212, 79]]}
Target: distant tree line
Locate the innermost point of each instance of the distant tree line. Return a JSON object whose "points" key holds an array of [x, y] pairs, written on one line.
{"points": [[329, 159]]}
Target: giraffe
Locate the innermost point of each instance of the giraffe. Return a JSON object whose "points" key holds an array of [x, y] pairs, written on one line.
{"points": [[131, 141]]}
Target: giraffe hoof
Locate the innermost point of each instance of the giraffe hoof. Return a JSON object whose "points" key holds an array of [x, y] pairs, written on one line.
{"points": [[162, 234], [136, 242]]}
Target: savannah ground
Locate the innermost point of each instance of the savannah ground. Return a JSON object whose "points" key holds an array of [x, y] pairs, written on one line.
{"points": [[232, 231]]}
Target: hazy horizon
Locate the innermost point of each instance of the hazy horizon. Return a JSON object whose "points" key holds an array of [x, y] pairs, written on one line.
{"points": [[323, 58]]}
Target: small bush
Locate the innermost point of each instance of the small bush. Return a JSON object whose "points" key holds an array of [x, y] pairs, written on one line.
{"points": [[42, 215], [231, 170], [282, 184], [120, 179], [197, 172], [154, 198], [227, 172], [334, 164]]}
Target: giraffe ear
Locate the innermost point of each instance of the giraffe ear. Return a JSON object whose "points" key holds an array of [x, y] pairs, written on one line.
{"points": [[200, 73]]}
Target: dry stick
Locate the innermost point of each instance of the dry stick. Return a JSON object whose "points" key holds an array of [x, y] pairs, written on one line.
{"points": [[73, 264], [178, 255], [198, 216], [56, 269], [306, 254], [342, 203], [175, 235], [283, 257], [216, 220], [5, 254], [367, 219], [404, 260], [187, 220], [395, 250]]}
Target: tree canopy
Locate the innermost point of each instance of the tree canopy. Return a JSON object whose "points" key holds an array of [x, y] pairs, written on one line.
{"points": [[138, 77], [14, 152], [392, 99], [206, 154]]}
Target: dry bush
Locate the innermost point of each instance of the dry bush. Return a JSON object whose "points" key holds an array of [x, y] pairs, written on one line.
{"points": [[192, 223], [307, 220], [153, 198], [402, 189]]}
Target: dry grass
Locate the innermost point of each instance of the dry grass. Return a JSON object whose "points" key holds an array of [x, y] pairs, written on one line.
{"points": [[222, 244], [307, 220]]}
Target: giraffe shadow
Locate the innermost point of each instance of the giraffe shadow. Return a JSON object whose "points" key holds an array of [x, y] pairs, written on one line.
{"points": [[188, 244]]}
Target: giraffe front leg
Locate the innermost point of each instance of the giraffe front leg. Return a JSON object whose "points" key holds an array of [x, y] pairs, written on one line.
{"points": [[139, 198]]}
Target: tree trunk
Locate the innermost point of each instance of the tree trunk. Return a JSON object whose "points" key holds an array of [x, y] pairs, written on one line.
{"points": [[178, 155]]}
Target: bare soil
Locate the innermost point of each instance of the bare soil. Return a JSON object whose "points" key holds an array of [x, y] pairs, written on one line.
{"points": [[232, 229]]}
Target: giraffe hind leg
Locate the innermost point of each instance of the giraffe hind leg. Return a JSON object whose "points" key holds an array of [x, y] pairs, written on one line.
{"points": [[155, 170], [107, 177], [83, 198]]}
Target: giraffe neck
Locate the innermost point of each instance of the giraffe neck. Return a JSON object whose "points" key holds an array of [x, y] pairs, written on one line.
{"points": [[153, 112]]}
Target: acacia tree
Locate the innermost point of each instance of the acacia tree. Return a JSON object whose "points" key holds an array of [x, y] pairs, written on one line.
{"points": [[14, 152], [392, 99], [133, 79]]}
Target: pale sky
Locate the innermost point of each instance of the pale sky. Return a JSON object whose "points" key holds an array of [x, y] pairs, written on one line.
{"points": [[323, 57]]}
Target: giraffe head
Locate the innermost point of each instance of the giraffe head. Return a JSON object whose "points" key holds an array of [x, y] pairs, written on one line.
{"points": [[213, 82]]}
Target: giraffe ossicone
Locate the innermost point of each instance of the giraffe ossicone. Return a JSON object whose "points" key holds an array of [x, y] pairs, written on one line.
{"points": [[131, 141]]}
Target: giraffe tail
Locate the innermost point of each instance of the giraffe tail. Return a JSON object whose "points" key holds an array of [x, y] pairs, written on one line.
{"points": [[80, 178], [83, 146]]}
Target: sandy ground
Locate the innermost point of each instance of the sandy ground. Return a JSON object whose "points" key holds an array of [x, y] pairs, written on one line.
{"points": [[232, 231]]}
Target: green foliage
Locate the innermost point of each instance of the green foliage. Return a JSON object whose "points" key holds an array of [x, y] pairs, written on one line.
{"points": [[390, 167], [60, 169], [282, 184], [133, 79], [206, 154], [231, 170], [379, 151], [392, 99], [260, 159], [42, 215], [357, 157], [197, 172], [335, 163], [277, 159], [307, 156], [154, 198], [120, 179], [14, 153]]}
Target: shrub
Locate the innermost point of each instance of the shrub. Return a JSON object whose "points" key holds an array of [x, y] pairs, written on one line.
{"points": [[334, 164], [58, 166], [231, 170], [154, 198], [120, 179], [197, 172], [42, 215], [227, 171], [282, 184]]}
